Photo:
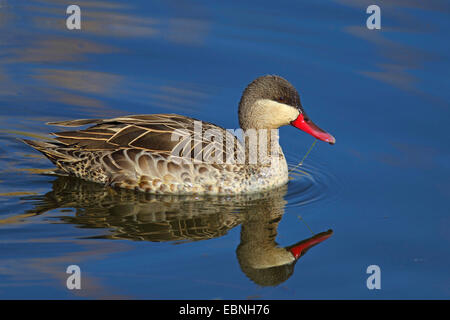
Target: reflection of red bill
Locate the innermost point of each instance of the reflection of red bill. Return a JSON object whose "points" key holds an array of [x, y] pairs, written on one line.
{"points": [[305, 124], [300, 248]]}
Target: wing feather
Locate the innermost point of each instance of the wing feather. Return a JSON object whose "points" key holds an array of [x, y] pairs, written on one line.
{"points": [[155, 133]]}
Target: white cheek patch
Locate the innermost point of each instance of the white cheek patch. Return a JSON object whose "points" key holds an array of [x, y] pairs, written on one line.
{"points": [[273, 114]]}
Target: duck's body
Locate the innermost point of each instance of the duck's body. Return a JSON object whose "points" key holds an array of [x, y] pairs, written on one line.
{"points": [[139, 152], [174, 154]]}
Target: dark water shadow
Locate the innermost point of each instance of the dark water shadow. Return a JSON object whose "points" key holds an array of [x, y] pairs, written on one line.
{"points": [[180, 219]]}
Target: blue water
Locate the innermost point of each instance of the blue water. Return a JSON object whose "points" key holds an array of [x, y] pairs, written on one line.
{"points": [[383, 189]]}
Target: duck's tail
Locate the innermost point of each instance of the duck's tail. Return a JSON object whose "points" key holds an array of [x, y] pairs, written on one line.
{"points": [[54, 151]]}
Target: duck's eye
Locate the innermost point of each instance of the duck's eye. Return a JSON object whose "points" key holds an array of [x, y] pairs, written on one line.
{"points": [[281, 99]]}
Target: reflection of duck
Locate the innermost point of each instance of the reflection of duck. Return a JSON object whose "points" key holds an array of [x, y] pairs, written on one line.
{"points": [[150, 152], [260, 258], [140, 216]]}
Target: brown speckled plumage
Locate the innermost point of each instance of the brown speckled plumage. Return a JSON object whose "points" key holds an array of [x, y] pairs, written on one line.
{"points": [[134, 152]]}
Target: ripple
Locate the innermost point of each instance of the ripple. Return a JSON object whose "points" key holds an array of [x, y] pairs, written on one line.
{"points": [[309, 183]]}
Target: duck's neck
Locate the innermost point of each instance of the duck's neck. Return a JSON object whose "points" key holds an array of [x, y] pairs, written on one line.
{"points": [[262, 146], [258, 247]]}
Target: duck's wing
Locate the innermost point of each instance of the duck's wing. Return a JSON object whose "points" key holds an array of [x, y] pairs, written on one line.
{"points": [[164, 134]]}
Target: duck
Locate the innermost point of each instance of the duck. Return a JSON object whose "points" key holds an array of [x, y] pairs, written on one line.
{"points": [[177, 154]]}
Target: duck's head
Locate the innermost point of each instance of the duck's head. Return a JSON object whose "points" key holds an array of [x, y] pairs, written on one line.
{"points": [[270, 102]]}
